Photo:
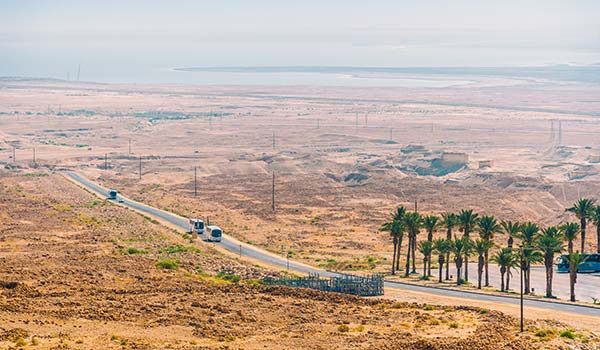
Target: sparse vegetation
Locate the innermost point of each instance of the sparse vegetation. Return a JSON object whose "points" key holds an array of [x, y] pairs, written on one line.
{"points": [[167, 264]]}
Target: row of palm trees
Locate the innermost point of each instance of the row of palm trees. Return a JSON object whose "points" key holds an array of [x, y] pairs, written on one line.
{"points": [[536, 244]]}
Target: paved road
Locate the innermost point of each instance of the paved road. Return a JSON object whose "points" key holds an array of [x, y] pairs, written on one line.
{"points": [[233, 245], [587, 287]]}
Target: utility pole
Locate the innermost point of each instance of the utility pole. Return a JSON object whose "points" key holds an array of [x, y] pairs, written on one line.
{"points": [[416, 209], [195, 184], [560, 132], [78, 71], [273, 193], [34, 163], [521, 268], [273, 139], [14, 154], [140, 167], [105, 161]]}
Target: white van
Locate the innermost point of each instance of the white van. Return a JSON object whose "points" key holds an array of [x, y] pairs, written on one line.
{"points": [[196, 228], [213, 234]]}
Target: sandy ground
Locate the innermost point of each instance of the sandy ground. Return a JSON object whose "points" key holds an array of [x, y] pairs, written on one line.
{"points": [[69, 279]]}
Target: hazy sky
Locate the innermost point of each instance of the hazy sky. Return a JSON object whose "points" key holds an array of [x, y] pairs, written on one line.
{"points": [[359, 33]]}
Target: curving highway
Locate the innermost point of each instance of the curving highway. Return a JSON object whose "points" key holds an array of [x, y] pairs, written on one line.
{"points": [[236, 246]]}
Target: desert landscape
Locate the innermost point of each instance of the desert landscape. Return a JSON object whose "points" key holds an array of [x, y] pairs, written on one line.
{"points": [[340, 160]]}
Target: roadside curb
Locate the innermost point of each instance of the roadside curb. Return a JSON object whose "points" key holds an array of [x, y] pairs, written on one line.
{"points": [[496, 295]]}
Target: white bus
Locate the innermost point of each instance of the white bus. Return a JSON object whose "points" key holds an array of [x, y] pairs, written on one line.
{"points": [[196, 228], [213, 234]]}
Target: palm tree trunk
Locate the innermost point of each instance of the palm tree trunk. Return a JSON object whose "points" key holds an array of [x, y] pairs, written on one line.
{"points": [[414, 249], [441, 263], [598, 237], [572, 278], [458, 272], [501, 281], [398, 255], [549, 280], [394, 257], [583, 223], [507, 279], [526, 276], [425, 266], [449, 237], [570, 247], [486, 262], [510, 242], [429, 265], [408, 255], [466, 268], [479, 271]]}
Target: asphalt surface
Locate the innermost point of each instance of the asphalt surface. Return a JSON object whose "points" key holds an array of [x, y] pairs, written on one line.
{"points": [[274, 260]]}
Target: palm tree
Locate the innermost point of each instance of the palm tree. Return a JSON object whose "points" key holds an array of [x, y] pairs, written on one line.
{"points": [[467, 221], [514, 263], [413, 222], [488, 226], [550, 242], [396, 216], [528, 232], [505, 259], [575, 260], [396, 229], [431, 223], [528, 255], [583, 210], [449, 220], [426, 248], [512, 230], [596, 219], [481, 247], [570, 231], [459, 247], [442, 247]]}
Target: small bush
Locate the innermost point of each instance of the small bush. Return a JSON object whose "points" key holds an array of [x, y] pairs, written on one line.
{"points": [[568, 333], [20, 342], [167, 264], [424, 278], [179, 249], [484, 311], [343, 328], [453, 324], [428, 307], [132, 251], [229, 277], [544, 333], [360, 328]]}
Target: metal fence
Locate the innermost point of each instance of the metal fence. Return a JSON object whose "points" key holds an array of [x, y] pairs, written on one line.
{"points": [[371, 285]]}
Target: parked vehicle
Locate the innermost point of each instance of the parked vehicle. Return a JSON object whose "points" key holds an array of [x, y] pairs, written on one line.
{"points": [[591, 263], [196, 228], [112, 194], [213, 234]]}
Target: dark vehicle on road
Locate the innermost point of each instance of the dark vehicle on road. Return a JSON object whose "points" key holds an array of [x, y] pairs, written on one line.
{"points": [[590, 264]]}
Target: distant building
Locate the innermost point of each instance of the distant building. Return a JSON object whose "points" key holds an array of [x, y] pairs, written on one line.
{"points": [[595, 159], [486, 164], [454, 158], [413, 149]]}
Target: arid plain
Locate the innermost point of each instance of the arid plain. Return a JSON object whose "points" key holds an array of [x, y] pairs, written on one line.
{"points": [[342, 159]]}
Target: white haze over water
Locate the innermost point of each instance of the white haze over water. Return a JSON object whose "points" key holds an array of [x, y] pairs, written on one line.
{"points": [[142, 41]]}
